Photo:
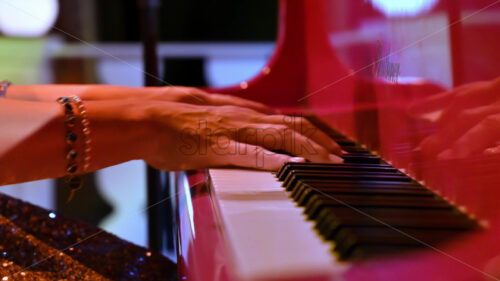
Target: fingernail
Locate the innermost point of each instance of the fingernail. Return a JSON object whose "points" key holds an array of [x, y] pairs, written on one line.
{"points": [[335, 159], [297, 160]]}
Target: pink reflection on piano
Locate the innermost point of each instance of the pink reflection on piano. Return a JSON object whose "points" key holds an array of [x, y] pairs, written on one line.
{"points": [[431, 123]]}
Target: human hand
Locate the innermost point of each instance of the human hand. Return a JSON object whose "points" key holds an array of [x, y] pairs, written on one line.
{"points": [[468, 118], [188, 136]]}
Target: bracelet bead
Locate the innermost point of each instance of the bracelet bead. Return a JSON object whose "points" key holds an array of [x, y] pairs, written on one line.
{"points": [[71, 154], [74, 181], [71, 168], [71, 137]]}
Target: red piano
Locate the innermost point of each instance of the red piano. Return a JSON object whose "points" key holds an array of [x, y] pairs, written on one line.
{"points": [[417, 197]]}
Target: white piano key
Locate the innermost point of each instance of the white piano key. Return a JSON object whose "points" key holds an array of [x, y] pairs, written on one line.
{"points": [[265, 231]]}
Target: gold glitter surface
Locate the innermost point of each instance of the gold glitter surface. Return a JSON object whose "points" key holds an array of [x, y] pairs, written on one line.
{"points": [[36, 244], [53, 258]]}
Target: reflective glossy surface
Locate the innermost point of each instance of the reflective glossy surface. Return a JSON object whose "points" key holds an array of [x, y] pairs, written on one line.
{"points": [[391, 76], [202, 254]]}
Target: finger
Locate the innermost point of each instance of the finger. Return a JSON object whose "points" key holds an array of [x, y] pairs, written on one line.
{"points": [[306, 128], [475, 95], [218, 99], [282, 138], [431, 104], [188, 95], [251, 156], [492, 150], [439, 101], [449, 133], [483, 135]]}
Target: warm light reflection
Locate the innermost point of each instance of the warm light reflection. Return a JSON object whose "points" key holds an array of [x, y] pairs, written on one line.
{"points": [[405, 7], [27, 18]]}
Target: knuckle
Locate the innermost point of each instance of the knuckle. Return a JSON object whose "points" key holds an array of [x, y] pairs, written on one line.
{"points": [[282, 128], [246, 130]]}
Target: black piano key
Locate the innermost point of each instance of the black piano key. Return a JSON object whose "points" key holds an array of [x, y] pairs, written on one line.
{"points": [[310, 183], [346, 248], [288, 167], [346, 166], [316, 185], [359, 158], [303, 193], [410, 185], [346, 238], [317, 202], [332, 219], [344, 142], [354, 149], [292, 179], [345, 175], [304, 189], [345, 169], [361, 251]]}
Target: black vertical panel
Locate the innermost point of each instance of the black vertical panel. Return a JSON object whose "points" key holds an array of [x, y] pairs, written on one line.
{"points": [[219, 20], [191, 20], [185, 71], [157, 181]]}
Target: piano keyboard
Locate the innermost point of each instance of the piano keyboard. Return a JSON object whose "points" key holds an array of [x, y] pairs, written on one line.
{"points": [[371, 209], [359, 209], [267, 235]]}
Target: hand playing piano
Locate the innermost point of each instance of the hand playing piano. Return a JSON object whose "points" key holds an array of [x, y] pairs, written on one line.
{"points": [[468, 118], [223, 130], [193, 136], [172, 128]]}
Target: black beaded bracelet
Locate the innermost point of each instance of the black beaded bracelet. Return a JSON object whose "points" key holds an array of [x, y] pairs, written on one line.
{"points": [[73, 180], [3, 87]]}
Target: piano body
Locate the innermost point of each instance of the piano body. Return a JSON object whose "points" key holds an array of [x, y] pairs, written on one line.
{"points": [[356, 65]]}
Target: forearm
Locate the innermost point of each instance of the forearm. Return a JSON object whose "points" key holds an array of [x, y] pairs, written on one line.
{"points": [[32, 143], [86, 92]]}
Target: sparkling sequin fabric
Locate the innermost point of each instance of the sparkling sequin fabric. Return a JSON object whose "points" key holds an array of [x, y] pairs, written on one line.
{"points": [[36, 244]]}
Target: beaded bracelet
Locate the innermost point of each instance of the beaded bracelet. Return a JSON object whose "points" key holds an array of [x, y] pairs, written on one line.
{"points": [[73, 180], [3, 87], [82, 111]]}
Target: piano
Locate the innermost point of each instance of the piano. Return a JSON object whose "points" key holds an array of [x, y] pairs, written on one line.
{"points": [[392, 211]]}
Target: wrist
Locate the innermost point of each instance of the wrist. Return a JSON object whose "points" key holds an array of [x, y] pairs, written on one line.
{"points": [[121, 131], [109, 92]]}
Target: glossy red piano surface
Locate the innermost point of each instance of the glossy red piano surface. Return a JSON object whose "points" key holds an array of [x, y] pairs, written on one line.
{"points": [[377, 70]]}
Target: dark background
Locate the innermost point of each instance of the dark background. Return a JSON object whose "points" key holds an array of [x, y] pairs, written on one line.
{"points": [[180, 20]]}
